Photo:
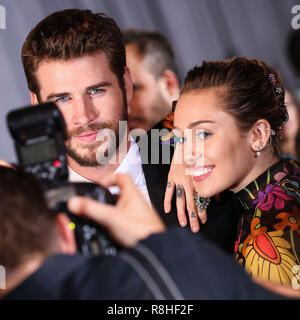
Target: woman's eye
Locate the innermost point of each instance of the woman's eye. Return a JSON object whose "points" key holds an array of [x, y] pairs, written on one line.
{"points": [[179, 140], [202, 134]]}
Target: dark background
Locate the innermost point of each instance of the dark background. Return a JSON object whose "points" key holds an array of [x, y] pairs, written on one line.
{"points": [[199, 30]]}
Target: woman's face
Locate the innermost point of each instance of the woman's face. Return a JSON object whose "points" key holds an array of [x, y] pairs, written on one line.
{"points": [[217, 154]]}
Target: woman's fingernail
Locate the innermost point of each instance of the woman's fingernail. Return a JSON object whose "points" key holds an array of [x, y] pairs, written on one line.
{"points": [[182, 223], [195, 229]]}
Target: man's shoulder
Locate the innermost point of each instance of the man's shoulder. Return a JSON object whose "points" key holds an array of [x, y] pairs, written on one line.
{"points": [[46, 282], [64, 277]]}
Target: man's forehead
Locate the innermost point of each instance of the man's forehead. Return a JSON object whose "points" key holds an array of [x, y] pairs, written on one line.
{"points": [[83, 71]]}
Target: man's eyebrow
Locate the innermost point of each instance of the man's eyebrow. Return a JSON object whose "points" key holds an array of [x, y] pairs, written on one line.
{"points": [[94, 86], [57, 95], [99, 85]]}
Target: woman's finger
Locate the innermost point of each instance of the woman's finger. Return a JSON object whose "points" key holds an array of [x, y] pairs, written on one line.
{"points": [[202, 214], [201, 204], [168, 196], [180, 204], [191, 208], [194, 221]]}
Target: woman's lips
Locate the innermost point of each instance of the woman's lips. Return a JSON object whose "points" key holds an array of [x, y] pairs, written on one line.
{"points": [[87, 137], [201, 173]]}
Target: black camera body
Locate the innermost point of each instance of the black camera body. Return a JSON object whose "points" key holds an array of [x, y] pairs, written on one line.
{"points": [[39, 133]]}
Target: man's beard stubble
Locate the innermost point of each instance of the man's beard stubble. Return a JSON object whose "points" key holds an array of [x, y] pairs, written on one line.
{"points": [[92, 158]]}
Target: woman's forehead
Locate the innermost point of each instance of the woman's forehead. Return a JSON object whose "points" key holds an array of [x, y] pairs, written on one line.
{"points": [[196, 106]]}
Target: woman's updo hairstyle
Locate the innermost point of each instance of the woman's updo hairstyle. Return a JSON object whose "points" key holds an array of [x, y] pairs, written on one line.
{"points": [[250, 90]]}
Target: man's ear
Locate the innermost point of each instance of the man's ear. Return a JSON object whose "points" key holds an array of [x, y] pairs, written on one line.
{"points": [[169, 86], [260, 134], [128, 84], [33, 98], [68, 244]]}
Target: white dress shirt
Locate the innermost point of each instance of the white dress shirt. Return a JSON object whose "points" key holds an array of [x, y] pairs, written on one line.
{"points": [[131, 165]]}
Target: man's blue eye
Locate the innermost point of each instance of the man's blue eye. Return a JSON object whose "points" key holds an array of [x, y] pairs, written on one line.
{"points": [[62, 99], [96, 91]]}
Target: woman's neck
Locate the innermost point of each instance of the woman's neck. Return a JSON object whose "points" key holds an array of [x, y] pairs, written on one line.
{"points": [[262, 164]]}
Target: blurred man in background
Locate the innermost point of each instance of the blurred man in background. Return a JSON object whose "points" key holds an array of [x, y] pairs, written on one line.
{"points": [[290, 144], [151, 60], [293, 52]]}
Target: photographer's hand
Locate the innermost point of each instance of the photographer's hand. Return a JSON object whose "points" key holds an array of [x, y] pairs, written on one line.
{"points": [[129, 221]]}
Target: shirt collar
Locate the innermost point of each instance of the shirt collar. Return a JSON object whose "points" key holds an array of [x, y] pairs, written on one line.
{"points": [[131, 165]]}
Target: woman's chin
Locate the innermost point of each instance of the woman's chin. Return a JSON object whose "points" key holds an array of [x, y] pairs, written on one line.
{"points": [[205, 193]]}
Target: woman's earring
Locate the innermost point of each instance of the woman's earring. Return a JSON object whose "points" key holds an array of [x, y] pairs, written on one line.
{"points": [[258, 150], [272, 133]]}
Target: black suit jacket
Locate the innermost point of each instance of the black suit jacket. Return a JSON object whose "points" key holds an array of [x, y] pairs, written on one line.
{"points": [[170, 265], [156, 158]]}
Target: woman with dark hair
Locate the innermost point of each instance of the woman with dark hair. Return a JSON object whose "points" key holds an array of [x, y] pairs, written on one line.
{"points": [[228, 125]]}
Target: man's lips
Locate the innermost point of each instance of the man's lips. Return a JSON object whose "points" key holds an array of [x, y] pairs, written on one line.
{"points": [[87, 137], [135, 122]]}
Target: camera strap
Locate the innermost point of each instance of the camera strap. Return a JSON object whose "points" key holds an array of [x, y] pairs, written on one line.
{"points": [[152, 271]]}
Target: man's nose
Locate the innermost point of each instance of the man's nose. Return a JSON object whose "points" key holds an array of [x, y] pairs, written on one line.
{"points": [[84, 112]]}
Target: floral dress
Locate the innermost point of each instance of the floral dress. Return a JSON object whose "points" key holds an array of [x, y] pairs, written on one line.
{"points": [[268, 237]]}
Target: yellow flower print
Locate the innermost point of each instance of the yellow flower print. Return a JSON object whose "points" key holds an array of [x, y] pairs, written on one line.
{"points": [[267, 256]]}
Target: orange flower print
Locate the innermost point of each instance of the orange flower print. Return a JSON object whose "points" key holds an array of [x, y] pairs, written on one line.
{"points": [[291, 220], [168, 121], [256, 229]]}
